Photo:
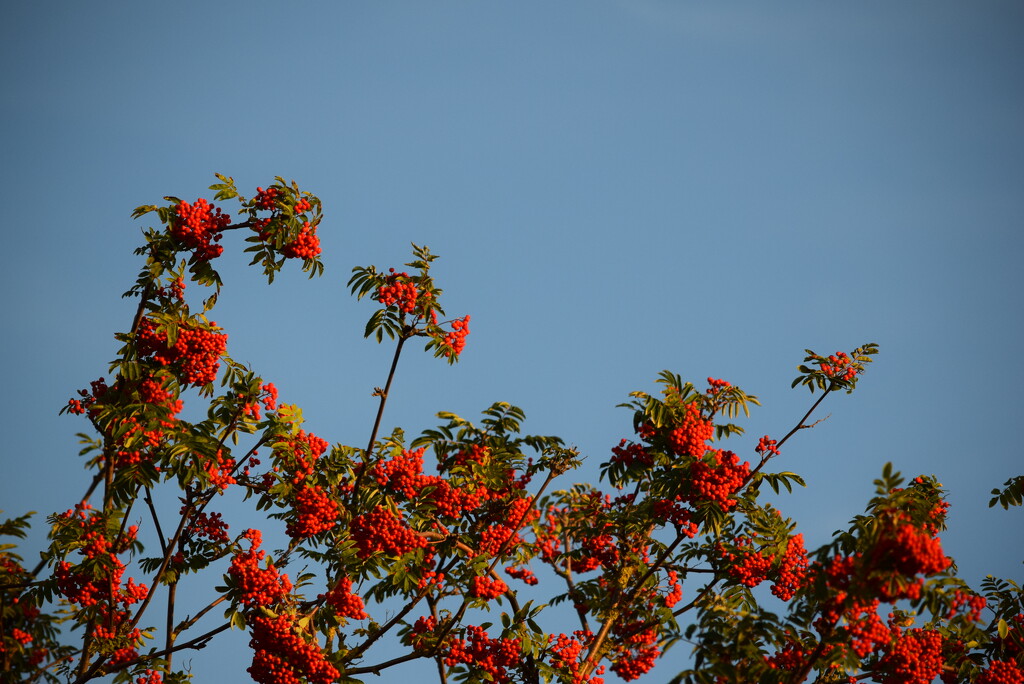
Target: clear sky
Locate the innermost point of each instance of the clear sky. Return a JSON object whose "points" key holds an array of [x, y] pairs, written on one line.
{"points": [[615, 187]]}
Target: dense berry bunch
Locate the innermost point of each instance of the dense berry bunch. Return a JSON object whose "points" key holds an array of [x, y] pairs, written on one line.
{"points": [[635, 651], [1001, 672], [914, 658], [198, 227], [793, 571], [717, 477], [486, 588], [257, 586], [383, 530], [523, 574], [676, 594], [909, 550], [745, 565], [691, 436], [398, 290], [455, 341], [281, 656], [629, 453], [345, 603], [297, 455], [266, 199], [315, 513], [864, 628], [789, 657], [568, 653], [195, 353], [492, 657], [306, 244]]}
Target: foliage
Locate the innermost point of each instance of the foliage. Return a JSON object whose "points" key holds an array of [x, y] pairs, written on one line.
{"points": [[474, 556]]}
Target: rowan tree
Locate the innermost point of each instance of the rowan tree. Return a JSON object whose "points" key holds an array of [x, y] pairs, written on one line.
{"points": [[426, 541]]}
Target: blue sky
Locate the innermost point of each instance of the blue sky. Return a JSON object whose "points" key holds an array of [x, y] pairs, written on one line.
{"points": [[615, 188]]}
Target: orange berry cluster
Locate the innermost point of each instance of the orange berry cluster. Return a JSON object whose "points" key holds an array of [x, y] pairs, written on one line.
{"points": [[257, 586], [297, 455], [306, 244], [915, 658], [717, 478], [566, 652], [210, 526], [382, 530], [316, 513], [635, 652], [1001, 672], [283, 657], [398, 290], [198, 226], [690, 438], [629, 453], [455, 341], [746, 566], [195, 354], [345, 603], [676, 595], [524, 574], [793, 569], [486, 587], [838, 366], [483, 654]]}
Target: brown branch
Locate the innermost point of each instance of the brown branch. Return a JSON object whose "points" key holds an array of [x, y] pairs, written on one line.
{"points": [[383, 394], [193, 620]]}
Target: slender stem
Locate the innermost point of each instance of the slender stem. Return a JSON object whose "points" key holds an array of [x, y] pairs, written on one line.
{"points": [[172, 589], [193, 620], [156, 521], [383, 394]]}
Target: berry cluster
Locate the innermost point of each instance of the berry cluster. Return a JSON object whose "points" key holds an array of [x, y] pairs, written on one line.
{"points": [[838, 366], [281, 656], [399, 290], [344, 602], [908, 550], [297, 455], [257, 586], [382, 530], [793, 572], [717, 477], [1001, 672], [486, 588], [914, 658], [691, 436], [746, 566], [523, 574], [306, 244], [568, 653], [635, 651], [676, 594], [195, 353], [491, 657], [455, 341], [211, 526], [266, 199], [630, 453], [315, 513], [198, 227], [766, 446]]}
